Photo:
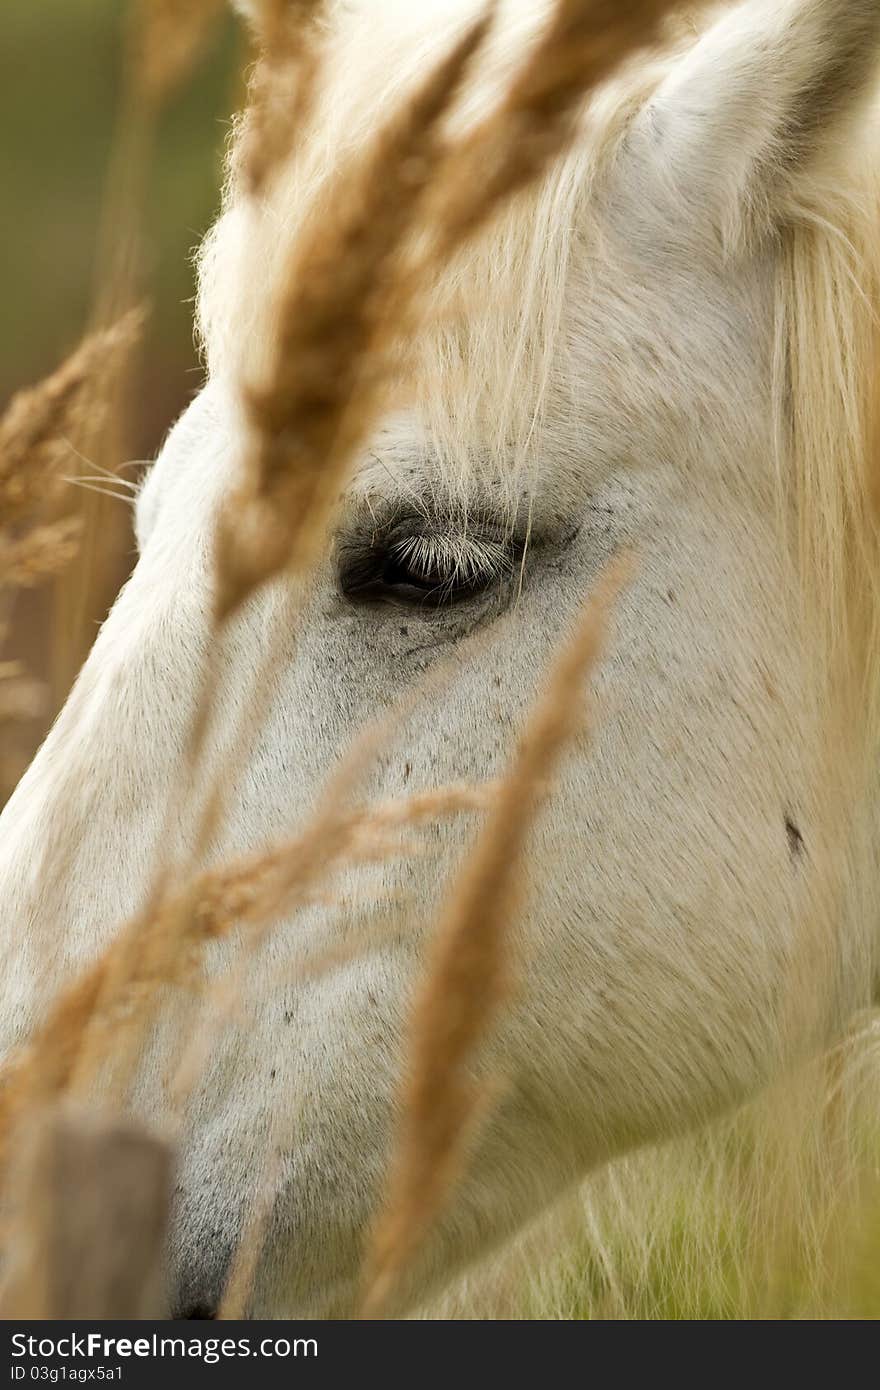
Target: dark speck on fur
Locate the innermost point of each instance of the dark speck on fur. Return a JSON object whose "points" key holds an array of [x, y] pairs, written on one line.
{"points": [[795, 838]]}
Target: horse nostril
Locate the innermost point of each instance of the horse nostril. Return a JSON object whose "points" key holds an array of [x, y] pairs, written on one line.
{"points": [[194, 1312]]}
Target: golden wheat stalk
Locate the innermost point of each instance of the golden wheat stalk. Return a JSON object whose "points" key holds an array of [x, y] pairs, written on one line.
{"points": [[39, 431], [282, 89], [375, 838], [326, 383], [277, 880], [536, 121], [21, 697], [168, 39], [40, 422], [101, 1014], [467, 975], [168, 945], [44, 551]]}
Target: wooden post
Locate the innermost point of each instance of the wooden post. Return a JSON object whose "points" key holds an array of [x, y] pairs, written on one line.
{"points": [[86, 1233]]}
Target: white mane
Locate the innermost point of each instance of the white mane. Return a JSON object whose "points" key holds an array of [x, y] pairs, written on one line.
{"points": [[503, 301]]}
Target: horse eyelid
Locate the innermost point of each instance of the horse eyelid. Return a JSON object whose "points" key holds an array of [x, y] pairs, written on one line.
{"points": [[428, 567]]}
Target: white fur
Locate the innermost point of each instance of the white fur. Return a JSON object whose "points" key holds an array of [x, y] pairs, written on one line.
{"points": [[639, 310]]}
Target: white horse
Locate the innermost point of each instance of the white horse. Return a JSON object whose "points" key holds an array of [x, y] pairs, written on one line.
{"points": [[668, 347]]}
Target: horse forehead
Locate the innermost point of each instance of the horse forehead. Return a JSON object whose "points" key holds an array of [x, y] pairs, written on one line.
{"points": [[194, 469]]}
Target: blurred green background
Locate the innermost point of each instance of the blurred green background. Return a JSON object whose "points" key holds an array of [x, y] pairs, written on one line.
{"points": [[60, 91]]}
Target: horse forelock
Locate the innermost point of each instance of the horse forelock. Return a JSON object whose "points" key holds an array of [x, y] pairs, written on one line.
{"points": [[500, 303]]}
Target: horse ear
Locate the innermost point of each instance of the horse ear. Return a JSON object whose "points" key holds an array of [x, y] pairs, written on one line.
{"points": [[746, 115]]}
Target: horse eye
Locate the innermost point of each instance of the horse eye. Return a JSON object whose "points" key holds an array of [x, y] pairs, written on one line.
{"points": [[426, 567]]}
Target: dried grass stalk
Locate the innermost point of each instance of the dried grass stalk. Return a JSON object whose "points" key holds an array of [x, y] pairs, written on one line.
{"points": [[101, 1012], [538, 118], [169, 37], [377, 839], [38, 433], [272, 882], [168, 946], [221, 1003], [39, 423], [467, 976], [282, 89], [45, 551], [330, 363], [21, 697]]}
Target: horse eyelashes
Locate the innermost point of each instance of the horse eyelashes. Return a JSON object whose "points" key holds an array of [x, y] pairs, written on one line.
{"points": [[422, 565]]}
